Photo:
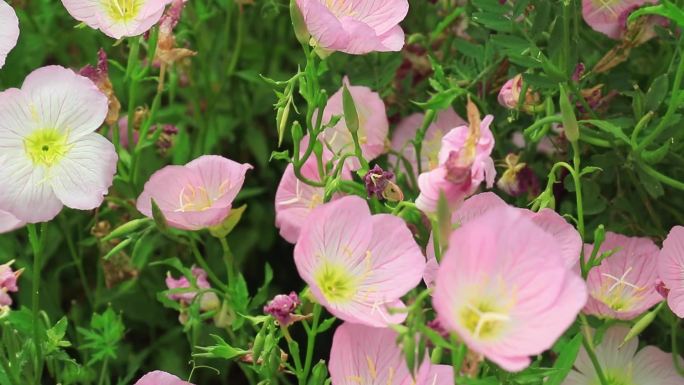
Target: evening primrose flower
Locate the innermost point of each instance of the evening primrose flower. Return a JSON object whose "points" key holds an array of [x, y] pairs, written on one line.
{"points": [[160, 378], [623, 286], [355, 27], [504, 288], [370, 356], [607, 16], [510, 93], [9, 30], [117, 18], [358, 265], [622, 364], [197, 195], [429, 155], [568, 240], [373, 124], [671, 269], [50, 155], [464, 163]]}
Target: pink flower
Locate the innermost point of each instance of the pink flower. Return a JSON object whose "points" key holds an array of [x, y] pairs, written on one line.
{"points": [[566, 237], [671, 269], [208, 299], [606, 16], [197, 195], [8, 283], [50, 155], [509, 95], [160, 378], [282, 307], [366, 355], [623, 364], [373, 124], [505, 289], [9, 30], [358, 265], [117, 18], [357, 26], [429, 153], [295, 199], [623, 286], [464, 163], [9, 222]]}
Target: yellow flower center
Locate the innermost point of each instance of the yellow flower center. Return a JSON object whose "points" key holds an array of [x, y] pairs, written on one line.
{"points": [[46, 147], [618, 293], [336, 283], [198, 198], [484, 319], [123, 10]]}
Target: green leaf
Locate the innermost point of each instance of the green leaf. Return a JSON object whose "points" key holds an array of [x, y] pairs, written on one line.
{"points": [[103, 337], [653, 186], [666, 9], [351, 116], [565, 360], [226, 227], [609, 128], [656, 93], [158, 217], [657, 155], [126, 228], [221, 350]]}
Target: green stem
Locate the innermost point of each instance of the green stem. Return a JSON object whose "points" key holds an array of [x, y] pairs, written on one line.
{"points": [[311, 342], [103, 371], [588, 343], [8, 372], [36, 240], [430, 116], [78, 261], [238, 44], [671, 108], [542, 122], [661, 177], [228, 259], [675, 351], [203, 264], [578, 194], [457, 357]]}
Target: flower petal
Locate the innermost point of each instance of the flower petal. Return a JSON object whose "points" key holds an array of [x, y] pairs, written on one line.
{"points": [[9, 30], [82, 178]]}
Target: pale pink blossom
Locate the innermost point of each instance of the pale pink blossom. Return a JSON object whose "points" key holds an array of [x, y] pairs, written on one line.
{"points": [[606, 16], [623, 286], [50, 155], [509, 95], [8, 283], [567, 238], [295, 199], [355, 26], [9, 30], [208, 299], [429, 153], [622, 364], [504, 288], [9, 222], [117, 18], [671, 269], [197, 195], [370, 356], [358, 265], [373, 124], [464, 162], [160, 378]]}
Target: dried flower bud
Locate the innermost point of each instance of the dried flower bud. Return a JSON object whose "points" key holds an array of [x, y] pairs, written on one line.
{"points": [[282, 308], [100, 76]]}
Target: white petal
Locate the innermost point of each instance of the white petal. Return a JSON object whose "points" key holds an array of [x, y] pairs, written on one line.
{"points": [[25, 191], [60, 99], [9, 30], [81, 179]]}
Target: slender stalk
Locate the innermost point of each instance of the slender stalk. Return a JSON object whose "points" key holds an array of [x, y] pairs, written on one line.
{"points": [[228, 259], [588, 343], [103, 371], [457, 357], [36, 240], [311, 342], [661, 177], [8, 371], [203, 263]]}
